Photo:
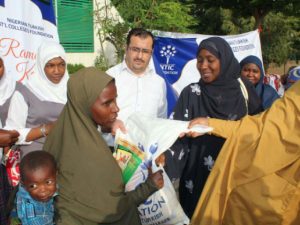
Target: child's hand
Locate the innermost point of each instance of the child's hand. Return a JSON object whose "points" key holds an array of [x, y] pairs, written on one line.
{"points": [[157, 178]]}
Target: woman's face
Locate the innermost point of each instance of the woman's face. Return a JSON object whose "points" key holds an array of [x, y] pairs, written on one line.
{"points": [[1, 68], [208, 65], [55, 69], [105, 109], [251, 72]]}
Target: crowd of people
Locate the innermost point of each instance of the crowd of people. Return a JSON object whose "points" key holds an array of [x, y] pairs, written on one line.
{"points": [[243, 172]]}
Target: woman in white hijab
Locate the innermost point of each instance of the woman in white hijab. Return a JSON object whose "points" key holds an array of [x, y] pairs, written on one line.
{"points": [[35, 107], [7, 87]]}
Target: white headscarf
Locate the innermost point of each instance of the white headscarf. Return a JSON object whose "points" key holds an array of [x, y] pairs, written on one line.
{"points": [[39, 84], [7, 84]]}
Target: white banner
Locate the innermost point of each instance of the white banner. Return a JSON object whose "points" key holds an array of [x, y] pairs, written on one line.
{"points": [[24, 24], [174, 56]]}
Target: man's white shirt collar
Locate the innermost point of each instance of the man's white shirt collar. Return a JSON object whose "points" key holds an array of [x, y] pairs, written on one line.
{"points": [[148, 70]]}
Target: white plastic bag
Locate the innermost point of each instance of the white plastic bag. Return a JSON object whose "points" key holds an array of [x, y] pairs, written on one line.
{"points": [[162, 207], [153, 137]]}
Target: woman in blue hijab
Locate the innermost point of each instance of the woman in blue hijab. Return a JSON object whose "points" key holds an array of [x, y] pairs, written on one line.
{"points": [[252, 69]]}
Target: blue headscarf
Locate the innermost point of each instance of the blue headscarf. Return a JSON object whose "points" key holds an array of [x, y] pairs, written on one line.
{"points": [[294, 75], [266, 93]]}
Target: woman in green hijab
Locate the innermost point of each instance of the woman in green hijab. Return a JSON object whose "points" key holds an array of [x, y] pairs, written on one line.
{"points": [[90, 183]]}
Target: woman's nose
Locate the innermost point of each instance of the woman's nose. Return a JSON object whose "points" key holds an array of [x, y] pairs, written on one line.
{"points": [[249, 74], [56, 69], [116, 108], [204, 64]]}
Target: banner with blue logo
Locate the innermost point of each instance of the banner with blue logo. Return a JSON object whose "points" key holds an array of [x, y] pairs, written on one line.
{"points": [[24, 24], [174, 57]]}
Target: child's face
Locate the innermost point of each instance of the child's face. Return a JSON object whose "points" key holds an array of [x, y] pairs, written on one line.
{"points": [[41, 183]]}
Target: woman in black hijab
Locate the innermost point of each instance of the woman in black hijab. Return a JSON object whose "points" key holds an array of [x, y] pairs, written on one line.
{"points": [[221, 94]]}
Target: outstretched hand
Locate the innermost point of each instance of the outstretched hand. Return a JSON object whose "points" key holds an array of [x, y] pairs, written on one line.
{"points": [[157, 178], [199, 121], [8, 137], [195, 122]]}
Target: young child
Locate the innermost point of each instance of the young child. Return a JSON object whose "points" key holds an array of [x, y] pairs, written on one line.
{"points": [[34, 199]]}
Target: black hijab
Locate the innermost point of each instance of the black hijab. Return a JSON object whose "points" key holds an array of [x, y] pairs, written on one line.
{"points": [[191, 159], [223, 97]]}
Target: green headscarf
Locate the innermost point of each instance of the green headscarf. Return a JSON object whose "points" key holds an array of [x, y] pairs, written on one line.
{"points": [[89, 178]]}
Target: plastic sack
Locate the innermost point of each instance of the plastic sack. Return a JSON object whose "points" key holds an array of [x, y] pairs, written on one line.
{"points": [[163, 207], [152, 137]]}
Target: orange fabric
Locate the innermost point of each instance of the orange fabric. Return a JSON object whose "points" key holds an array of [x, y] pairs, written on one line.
{"points": [[256, 178]]}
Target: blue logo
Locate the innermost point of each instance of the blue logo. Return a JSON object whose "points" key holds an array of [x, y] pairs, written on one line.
{"points": [[170, 56]]}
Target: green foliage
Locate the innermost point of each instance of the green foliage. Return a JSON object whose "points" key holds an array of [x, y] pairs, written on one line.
{"points": [[221, 21], [277, 38], [235, 25], [72, 68], [109, 29], [133, 11], [100, 63], [157, 15], [171, 16], [295, 36], [278, 19], [116, 34], [210, 20], [256, 8]]}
